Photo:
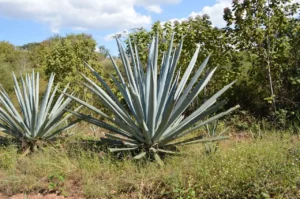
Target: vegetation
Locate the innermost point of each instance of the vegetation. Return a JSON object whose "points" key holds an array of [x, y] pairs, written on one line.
{"points": [[143, 106], [259, 46], [37, 122], [241, 168], [156, 104]]}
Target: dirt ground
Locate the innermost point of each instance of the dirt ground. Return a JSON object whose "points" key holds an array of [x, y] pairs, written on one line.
{"points": [[36, 196]]}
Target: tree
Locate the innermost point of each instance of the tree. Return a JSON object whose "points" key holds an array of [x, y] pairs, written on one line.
{"points": [[266, 31], [9, 57], [65, 56]]}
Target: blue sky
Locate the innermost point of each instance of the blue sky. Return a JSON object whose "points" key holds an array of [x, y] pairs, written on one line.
{"points": [[24, 21]]}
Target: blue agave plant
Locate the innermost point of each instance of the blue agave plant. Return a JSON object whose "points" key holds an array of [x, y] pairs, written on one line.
{"points": [[154, 118]]}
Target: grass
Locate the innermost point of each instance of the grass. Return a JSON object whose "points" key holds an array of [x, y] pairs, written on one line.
{"points": [[247, 168]]}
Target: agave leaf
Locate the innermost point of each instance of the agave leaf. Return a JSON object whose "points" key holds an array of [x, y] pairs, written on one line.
{"points": [[42, 112], [109, 103], [158, 159], [193, 81], [52, 121], [198, 115], [126, 65], [114, 105], [134, 63], [167, 151], [210, 120], [121, 149], [170, 75], [187, 72], [126, 127], [199, 137], [49, 105], [105, 125], [138, 105], [126, 94], [191, 119], [140, 83], [164, 71], [10, 121], [26, 102], [140, 155], [57, 104], [179, 133], [108, 90], [34, 123], [154, 112], [86, 105], [152, 102], [117, 69], [5, 100], [180, 108], [14, 123], [167, 111], [50, 134], [203, 140], [8, 130], [49, 131], [112, 137]]}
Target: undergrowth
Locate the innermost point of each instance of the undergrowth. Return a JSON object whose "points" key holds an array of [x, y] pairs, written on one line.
{"points": [[241, 168]]}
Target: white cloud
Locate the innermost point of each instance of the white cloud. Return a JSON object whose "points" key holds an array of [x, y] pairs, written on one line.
{"points": [[87, 14], [215, 13], [154, 5], [154, 8]]}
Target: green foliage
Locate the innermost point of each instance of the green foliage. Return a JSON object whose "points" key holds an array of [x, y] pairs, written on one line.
{"points": [[267, 32], [7, 52], [56, 183], [65, 56], [196, 30], [37, 121], [11, 59], [259, 47], [154, 118]]}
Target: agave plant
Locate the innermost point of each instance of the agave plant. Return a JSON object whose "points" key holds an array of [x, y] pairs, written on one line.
{"points": [[36, 121], [211, 129], [153, 118]]}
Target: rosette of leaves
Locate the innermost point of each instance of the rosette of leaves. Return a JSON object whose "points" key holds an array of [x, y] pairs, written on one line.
{"points": [[153, 120], [35, 121]]}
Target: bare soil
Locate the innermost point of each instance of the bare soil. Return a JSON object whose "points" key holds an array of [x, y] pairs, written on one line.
{"points": [[36, 196]]}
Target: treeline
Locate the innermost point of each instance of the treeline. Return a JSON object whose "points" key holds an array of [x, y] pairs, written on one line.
{"points": [[64, 56], [259, 47]]}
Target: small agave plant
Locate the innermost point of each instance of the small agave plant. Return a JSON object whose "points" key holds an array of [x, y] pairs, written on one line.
{"points": [[36, 121], [211, 129], [153, 120]]}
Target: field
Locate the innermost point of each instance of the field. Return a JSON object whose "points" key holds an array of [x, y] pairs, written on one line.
{"points": [[242, 167], [186, 108]]}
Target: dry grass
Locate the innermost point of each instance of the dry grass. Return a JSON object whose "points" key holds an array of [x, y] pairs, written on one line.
{"points": [[241, 168]]}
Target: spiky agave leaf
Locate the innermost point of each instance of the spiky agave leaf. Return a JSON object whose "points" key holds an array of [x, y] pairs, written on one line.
{"points": [[156, 104], [37, 121]]}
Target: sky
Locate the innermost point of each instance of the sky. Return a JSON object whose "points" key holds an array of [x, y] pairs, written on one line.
{"points": [[25, 21]]}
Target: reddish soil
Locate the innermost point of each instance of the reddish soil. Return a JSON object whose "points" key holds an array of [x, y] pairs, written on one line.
{"points": [[36, 196]]}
